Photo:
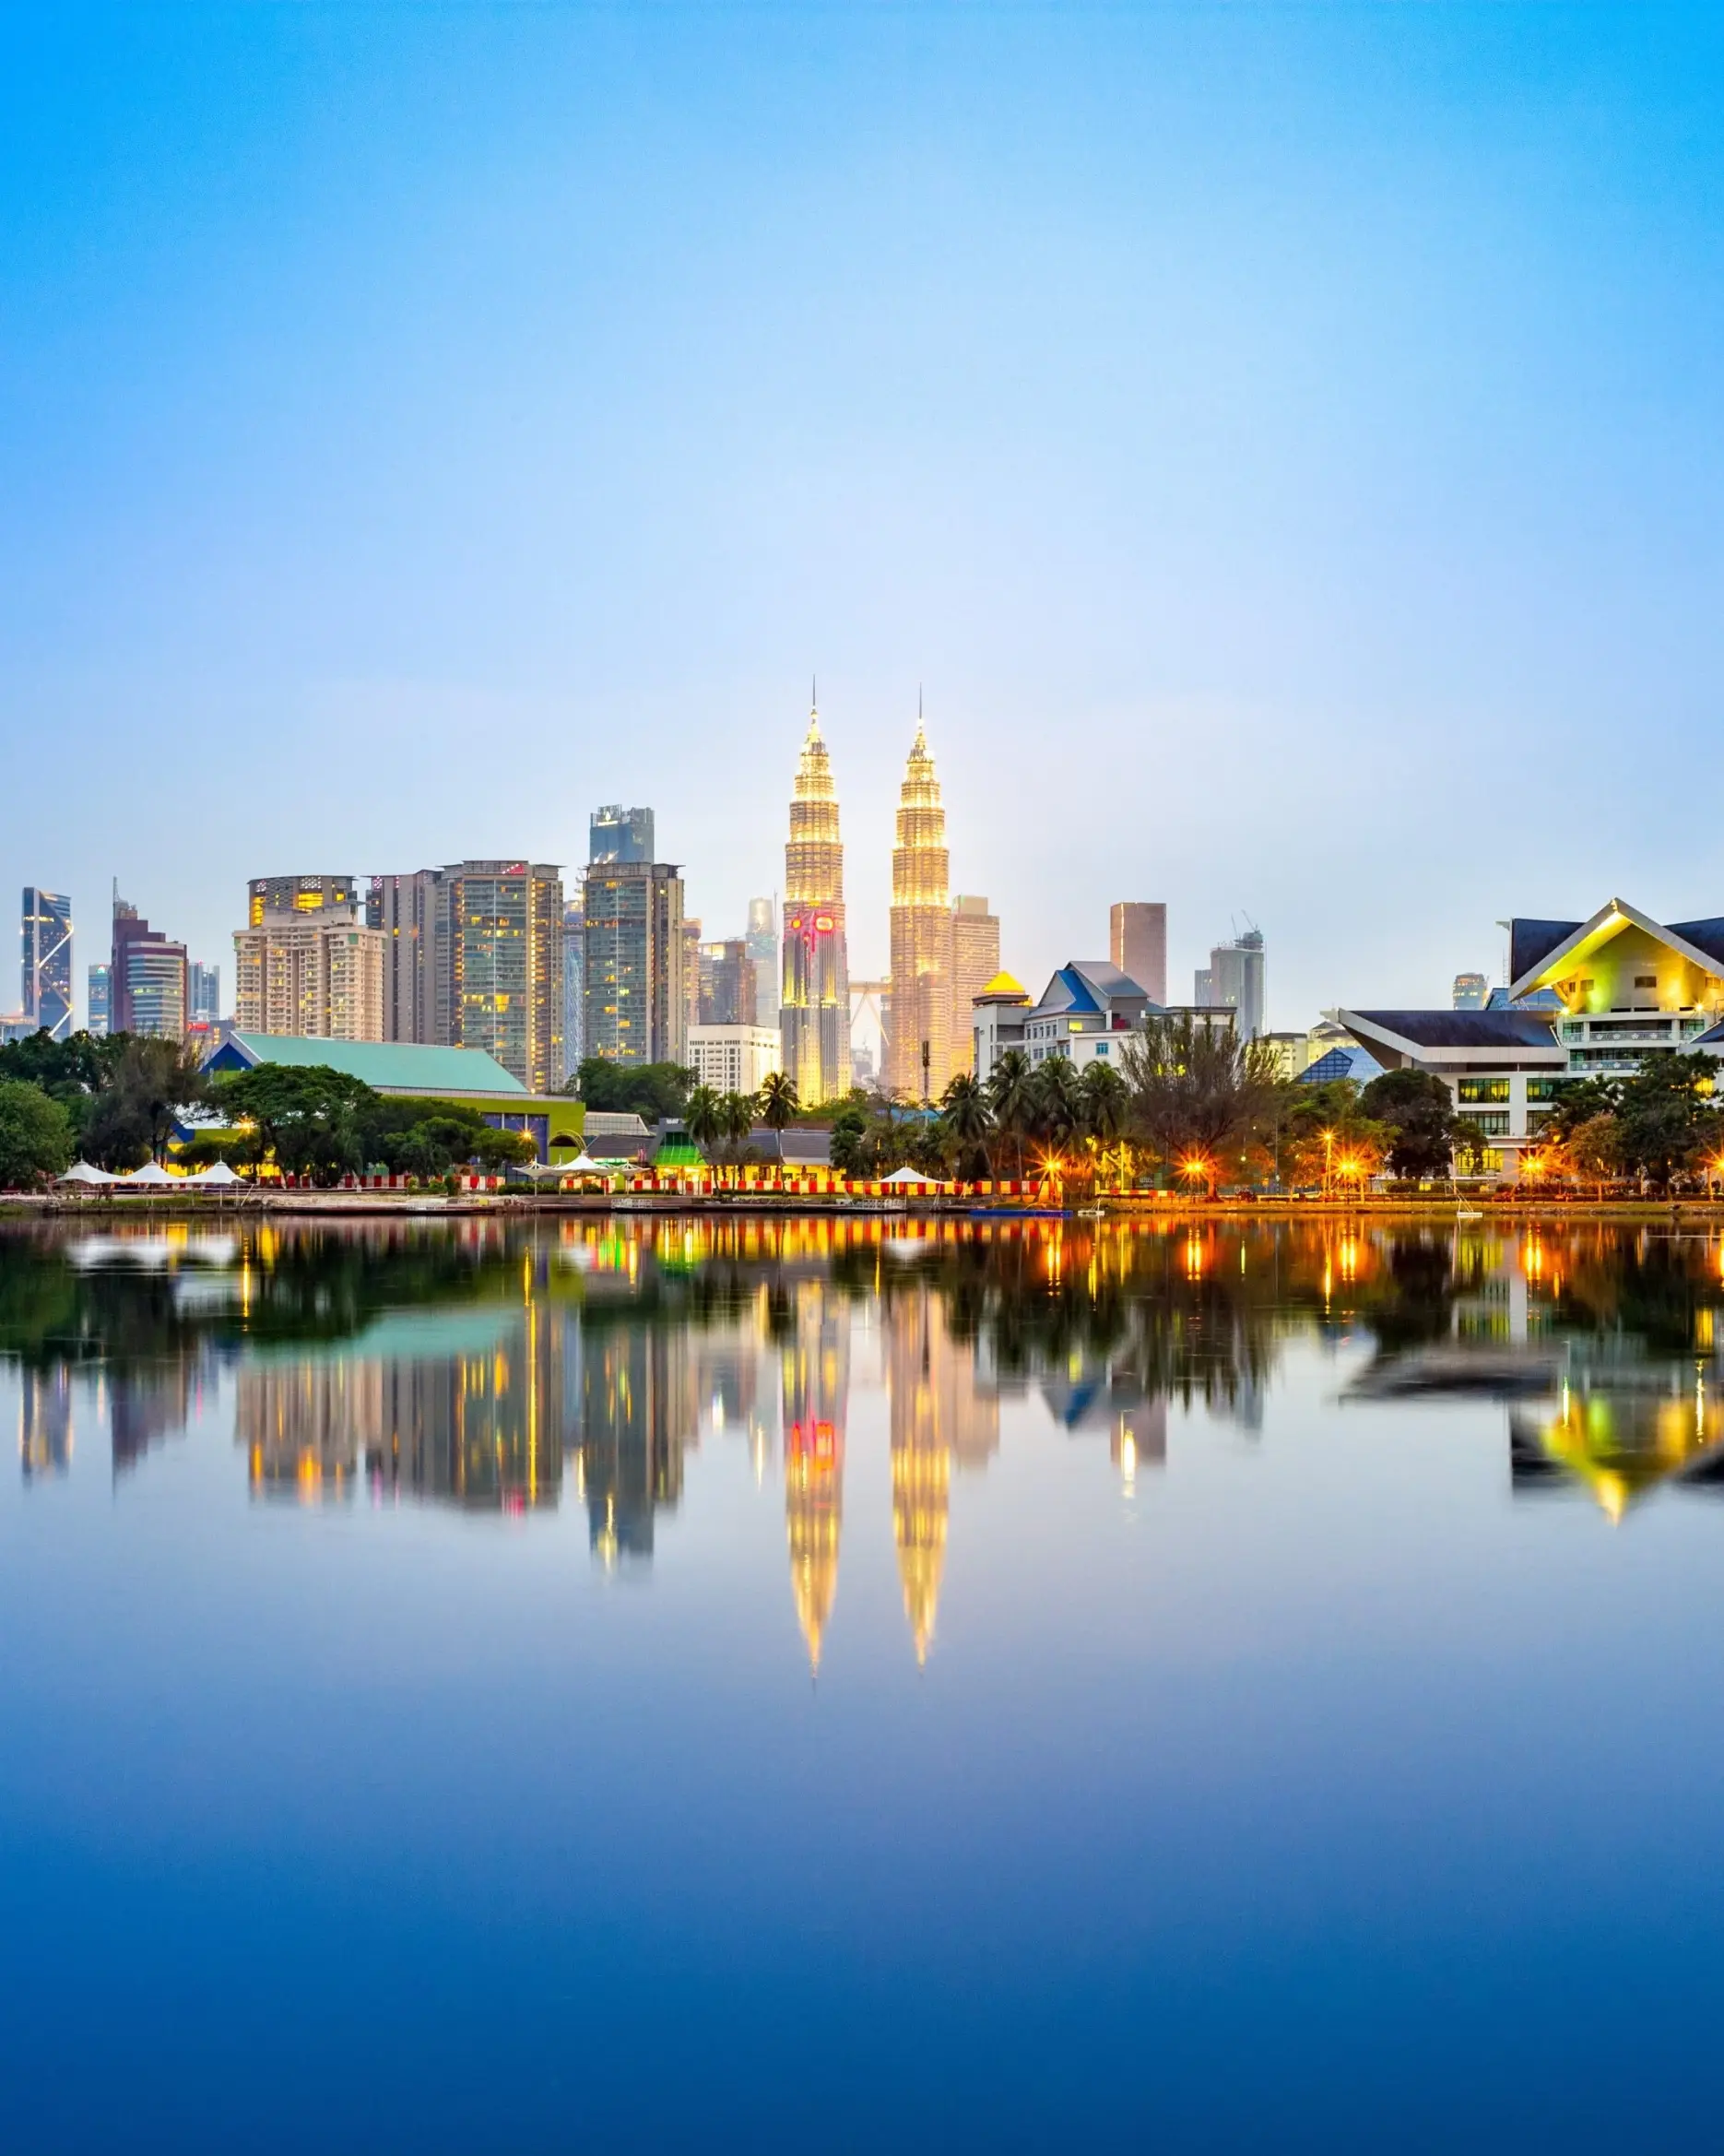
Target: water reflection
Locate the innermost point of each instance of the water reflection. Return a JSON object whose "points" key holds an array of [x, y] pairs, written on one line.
{"points": [[484, 1366]]}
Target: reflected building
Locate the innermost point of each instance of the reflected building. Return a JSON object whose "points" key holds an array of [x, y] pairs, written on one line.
{"points": [[1620, 1439], [44, 1427], [482, 1429], [146, 1403], [639, 1412], [938, 1412], [304, 1425], [816, 1372]]}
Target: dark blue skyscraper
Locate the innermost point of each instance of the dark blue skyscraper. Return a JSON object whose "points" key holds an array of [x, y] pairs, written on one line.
{"points": [[48, 961], [621, 835]]}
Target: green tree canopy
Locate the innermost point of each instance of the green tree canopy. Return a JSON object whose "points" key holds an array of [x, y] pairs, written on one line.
{"points": [[130, 1119], [35, 1136], [650, 1091], [1420, 1109]]}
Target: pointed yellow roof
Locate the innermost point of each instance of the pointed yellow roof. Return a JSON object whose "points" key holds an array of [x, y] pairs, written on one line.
{"points": [[1004, 984]]}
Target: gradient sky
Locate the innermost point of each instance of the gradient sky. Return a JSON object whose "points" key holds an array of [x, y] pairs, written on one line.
{"points": [[1282, 442]]}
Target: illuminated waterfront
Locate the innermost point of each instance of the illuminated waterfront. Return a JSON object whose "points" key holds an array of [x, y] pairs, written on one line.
{"points": [[991, 1682]]}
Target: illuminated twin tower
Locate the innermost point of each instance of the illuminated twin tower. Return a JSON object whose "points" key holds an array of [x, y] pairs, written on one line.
{"points": [[942, 952]]}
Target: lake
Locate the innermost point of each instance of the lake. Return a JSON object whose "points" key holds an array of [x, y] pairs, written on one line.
{"points": [[661, 1682]]}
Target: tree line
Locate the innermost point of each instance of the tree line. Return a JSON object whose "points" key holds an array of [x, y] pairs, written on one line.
{"points": [[117, 1100]]}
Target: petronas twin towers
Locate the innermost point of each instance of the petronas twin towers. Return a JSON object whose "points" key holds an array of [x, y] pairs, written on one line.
{"points": [[928, 1038]]}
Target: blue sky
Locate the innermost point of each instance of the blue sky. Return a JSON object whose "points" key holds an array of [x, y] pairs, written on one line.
{"points": [[1282, 442]]}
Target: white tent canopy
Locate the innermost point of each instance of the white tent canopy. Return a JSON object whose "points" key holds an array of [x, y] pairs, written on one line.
{"points": [[217, 1176], [151, 1172], [905, 1177], [585, 1165], [84, 1173]]}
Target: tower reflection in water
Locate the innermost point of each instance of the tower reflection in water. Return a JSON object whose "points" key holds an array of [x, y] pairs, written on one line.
{"points": [[486, 1365]]}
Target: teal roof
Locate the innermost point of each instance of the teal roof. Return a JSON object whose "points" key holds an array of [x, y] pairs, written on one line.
{"points": [[391, 1066]]}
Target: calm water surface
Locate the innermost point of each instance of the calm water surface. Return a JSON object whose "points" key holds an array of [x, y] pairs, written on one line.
{"points": [[655, 1685]]}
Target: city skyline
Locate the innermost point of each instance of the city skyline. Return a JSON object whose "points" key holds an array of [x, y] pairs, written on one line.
{"points": [[1426, 454]]}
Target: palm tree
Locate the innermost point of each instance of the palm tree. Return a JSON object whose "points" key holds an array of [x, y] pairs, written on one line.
{"points": [[704, 1117], [1057, 1103], [1105, 1102], [1009, 1095], [779, 1103], [736, 1111], [964, 1114]]}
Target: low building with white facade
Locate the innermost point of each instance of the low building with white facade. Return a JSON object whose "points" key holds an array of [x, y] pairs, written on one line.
{"points": [[734, 1058], [1084, 1012], [1626, 986], [997, 1017]]}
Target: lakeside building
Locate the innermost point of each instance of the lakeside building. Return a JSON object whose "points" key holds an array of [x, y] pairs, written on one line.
{"points": [[733, 1059], [1137, 944], [919, 1044], [47, 962], [814, 999], [996, 1021], [420, 1071], [974, 962], [762, 942], [308, 966], [1084, 1009], [1624, 987], [146, 977]]}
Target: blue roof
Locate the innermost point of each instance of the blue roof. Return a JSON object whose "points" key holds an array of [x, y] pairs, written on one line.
{"points": [[388, 1066]]}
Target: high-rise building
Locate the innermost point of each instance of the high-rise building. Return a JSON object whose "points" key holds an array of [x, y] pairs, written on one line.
{"points": [[312, 972], [100, 999], [814, 998], [499, 964], [919, 1049], [410, 913], [1136, 943], [974, 962], [574, 982], [1237, 979], [727, 984], [636, 999], [621, 835], [146, 984], [204, 993], [1472, 992], [47, 920], [764, 954], [303, 895]]}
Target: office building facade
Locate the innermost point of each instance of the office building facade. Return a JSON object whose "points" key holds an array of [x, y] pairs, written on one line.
{"points": [[727, 984], [202, 993], [574, 982], [1237, 979], [147, 979], [814, 985], [919, 1047], [306, 895], [975, 962], [1471, 991], [636, 993], [733, 1059], [99, 999], [1137, 944], [621, 835], [498, 956], [47, 962], [308, 972], [409, 911]]}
